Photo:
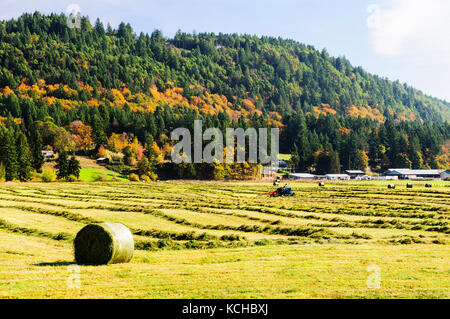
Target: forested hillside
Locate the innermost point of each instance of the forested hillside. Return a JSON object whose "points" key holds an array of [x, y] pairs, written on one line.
{"points": [[135, 88]]}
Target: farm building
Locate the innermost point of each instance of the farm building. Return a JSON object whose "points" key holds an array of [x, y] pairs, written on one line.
{"points": [[406, 173], [364, 178], [445, 175], [388, 178], [337, 177], [102, 160], [355, 173], [48, 155], [301, 176]]}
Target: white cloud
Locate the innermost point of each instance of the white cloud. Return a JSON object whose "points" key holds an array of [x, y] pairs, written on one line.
{"points": [[409, 27], [413, 36]]}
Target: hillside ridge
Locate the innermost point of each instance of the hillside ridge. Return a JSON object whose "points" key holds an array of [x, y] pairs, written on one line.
{"points": [[239, 74]]}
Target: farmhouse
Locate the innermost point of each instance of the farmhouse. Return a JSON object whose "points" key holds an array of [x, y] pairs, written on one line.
{"points": [[337, 177], [48, 155], [406, 173], [354, 173], [301, 176]]}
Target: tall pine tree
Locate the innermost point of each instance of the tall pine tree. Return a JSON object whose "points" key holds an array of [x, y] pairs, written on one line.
{"points": [[8, 153], [62, 165], [37, 158], [23, 158], [73, 167]]}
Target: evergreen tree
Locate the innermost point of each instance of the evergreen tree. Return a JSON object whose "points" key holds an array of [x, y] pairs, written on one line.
{"points": [[24, 158], [402, 161], [37, 158], [414, 153], [322, 163], [335, 165], [2, 172], [73, 167], [8, 153], [62, 166]]}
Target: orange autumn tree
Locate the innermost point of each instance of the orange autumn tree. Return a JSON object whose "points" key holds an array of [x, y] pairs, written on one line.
{"points": [[82, 135], [101, 151], [126, 143]]}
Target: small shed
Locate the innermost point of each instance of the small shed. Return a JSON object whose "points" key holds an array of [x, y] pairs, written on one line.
{"points": [[355, 173], [102, 160]]}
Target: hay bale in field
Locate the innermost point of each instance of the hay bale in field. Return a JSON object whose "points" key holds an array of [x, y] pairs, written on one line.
{"points": [[391, 186], [321, 184], [409, 185], [105, 243], [428, 185]]}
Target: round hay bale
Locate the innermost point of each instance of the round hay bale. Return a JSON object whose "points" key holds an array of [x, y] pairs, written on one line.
{"points": [[427, 185], [105, 243], [391, 186], [409, 185]]}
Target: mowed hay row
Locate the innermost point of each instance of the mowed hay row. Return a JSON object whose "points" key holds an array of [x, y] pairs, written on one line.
{"points": [[14, 248], [227, 209], [39, 221], [290, 219], [229, 241], [205, 218]]}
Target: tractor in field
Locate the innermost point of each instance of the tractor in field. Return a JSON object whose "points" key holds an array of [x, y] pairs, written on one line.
{"points": [[282, 191]]}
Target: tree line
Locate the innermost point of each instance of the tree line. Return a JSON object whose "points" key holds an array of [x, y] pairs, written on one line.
{"points": [[78, 90]]}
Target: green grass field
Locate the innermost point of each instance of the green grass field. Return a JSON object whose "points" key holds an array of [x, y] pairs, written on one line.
{"points": [[92, 174], [226, 240]]}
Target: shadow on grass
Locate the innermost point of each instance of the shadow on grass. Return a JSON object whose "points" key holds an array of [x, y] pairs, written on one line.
{"points": [[56, 263], [64, 263]]}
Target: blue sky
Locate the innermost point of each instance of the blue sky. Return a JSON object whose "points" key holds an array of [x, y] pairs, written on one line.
{"points": [[408, 40]]}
